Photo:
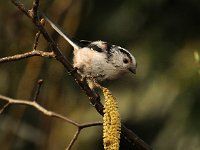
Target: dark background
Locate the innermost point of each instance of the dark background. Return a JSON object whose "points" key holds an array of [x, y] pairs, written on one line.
{"points": [[161, 103]]}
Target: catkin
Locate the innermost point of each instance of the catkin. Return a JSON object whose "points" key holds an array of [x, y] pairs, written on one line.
{"points": [[111, 122]]}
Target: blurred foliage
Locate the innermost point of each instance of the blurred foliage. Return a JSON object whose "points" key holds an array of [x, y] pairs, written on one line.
{"points": [[197, 59], [161, 103]]}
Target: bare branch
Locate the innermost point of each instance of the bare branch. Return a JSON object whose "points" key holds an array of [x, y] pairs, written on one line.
{"points": [[81, 126], [73, 139], [46, 112], [36, 40], [93, 96], [35, 9], [37, 92], [27, 55], [86, 125], [4, 107], [36, 106], [134, 139], [21, 7]]}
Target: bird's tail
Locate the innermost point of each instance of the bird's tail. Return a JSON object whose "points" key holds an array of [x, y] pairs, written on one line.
{"points": [[72, 42]]}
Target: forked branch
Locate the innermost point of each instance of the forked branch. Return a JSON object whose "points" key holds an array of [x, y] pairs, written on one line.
{"points": [[57, 54]]}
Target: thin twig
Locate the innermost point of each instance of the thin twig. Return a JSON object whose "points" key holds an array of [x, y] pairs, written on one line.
{"points": [[35, 8], [46, 112], [37, 92], [27, 55], [4, 107], [134, 139], [36, 40], [34, 104], [93, 96], [73, 139], [82, 126], [86, 125], [21, 7]]}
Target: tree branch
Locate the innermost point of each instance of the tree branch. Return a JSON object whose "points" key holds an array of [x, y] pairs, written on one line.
{"points": [[93, 96], [73, 139], [27, 55], [37, 92], [34, 104], [36, 40]]}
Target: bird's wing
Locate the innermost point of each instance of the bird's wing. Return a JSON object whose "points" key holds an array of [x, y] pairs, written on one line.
{"points": [[85, 42]]}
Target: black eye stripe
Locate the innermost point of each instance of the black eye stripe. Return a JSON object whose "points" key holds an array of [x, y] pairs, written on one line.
{"points": [[125, 52], [109, 49]]}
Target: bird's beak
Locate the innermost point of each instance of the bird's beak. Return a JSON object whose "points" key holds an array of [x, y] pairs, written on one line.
{"points": [[133, 70]]}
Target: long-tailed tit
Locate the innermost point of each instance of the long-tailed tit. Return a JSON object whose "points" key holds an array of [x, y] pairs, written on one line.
{"points": [[98, 60]]}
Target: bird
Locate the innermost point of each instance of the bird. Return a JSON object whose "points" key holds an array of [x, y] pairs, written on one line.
{"points": [[98, 61]]}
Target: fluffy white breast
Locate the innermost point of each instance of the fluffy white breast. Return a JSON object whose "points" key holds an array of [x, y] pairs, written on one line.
{"points": [[95, 64]]}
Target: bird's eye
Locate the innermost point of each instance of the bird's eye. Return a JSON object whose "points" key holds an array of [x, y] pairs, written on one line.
{"points": [[125, 60]]}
